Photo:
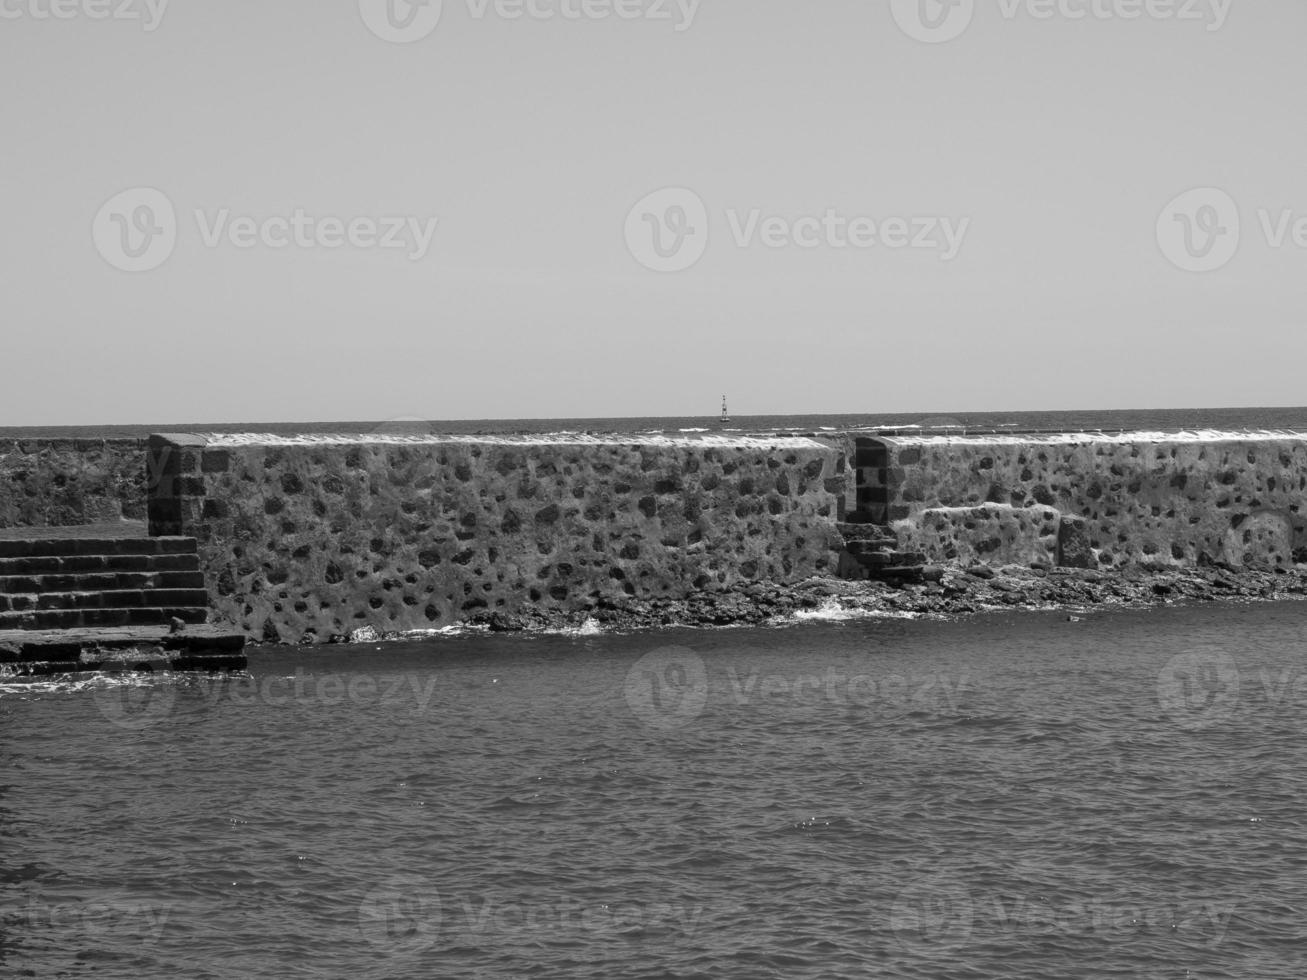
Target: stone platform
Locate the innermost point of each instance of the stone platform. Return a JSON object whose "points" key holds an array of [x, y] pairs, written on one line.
{"points": [[34, 653]]}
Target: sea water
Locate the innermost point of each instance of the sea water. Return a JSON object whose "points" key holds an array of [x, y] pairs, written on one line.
{"points": [[1015, 795]]}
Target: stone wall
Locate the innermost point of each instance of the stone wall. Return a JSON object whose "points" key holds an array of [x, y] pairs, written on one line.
{"points": [[70, 482], [318, 536], [1164, 499]]}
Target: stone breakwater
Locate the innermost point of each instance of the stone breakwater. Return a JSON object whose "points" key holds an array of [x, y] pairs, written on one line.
{"points": [[309, 539], [317, 538], [71, 482], [1160, 500]]}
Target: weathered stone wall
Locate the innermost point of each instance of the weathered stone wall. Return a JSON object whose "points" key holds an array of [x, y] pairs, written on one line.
{"points": [[1162, 499], [318, 537], [70, 482]]}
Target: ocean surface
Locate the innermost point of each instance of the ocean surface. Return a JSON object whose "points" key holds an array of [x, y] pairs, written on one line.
{"points": [[1152, 420], [1011, 795]]}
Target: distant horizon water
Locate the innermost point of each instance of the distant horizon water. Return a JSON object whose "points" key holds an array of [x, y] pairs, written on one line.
{"points": [[1164, 420]]}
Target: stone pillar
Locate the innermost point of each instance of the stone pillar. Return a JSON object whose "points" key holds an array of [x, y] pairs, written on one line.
{"points": [[174, 483]]}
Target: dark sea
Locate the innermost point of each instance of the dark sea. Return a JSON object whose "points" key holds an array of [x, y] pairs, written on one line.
{"points": [[1005, 796], [1153, 420]]}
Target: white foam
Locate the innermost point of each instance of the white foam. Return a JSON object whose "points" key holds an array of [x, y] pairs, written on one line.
{"points": [[1112, 438], [834, 611], [590, 627], [684, 441]]}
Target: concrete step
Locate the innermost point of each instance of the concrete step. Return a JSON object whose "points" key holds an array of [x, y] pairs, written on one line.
{"points": [[96, 564], [866, 532], [134, 599], [863, 517], [37, 547], [119, 599], [100, 581], [878, 546], [71, 619], [197, 648], [890, 559]]}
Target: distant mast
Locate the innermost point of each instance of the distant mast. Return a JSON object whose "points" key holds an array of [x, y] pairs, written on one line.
{"points": [[726, 416]]}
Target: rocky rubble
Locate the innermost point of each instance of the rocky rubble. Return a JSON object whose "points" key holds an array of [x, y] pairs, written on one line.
{"points": [[950, 590]]}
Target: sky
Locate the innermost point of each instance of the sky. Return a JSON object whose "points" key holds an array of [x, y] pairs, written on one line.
{"points": [[316, 210]]}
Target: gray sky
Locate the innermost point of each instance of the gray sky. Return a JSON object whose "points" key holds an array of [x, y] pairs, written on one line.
{"points": [[1051, 146]]}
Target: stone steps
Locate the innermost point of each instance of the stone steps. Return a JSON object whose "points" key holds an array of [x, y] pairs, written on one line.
{"points": [[59, 547], [873, 547], [73, 604], [105, 599], [889, 559], [70, 619], [29, 565], [101, 582], [875, 533]]}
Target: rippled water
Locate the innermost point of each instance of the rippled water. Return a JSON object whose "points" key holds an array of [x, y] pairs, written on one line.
{"points": [[1009, 796]]}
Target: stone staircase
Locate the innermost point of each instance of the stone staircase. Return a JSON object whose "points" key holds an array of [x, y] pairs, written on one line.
{"points": [[874, 554], [871, 547], [76, 604]]}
